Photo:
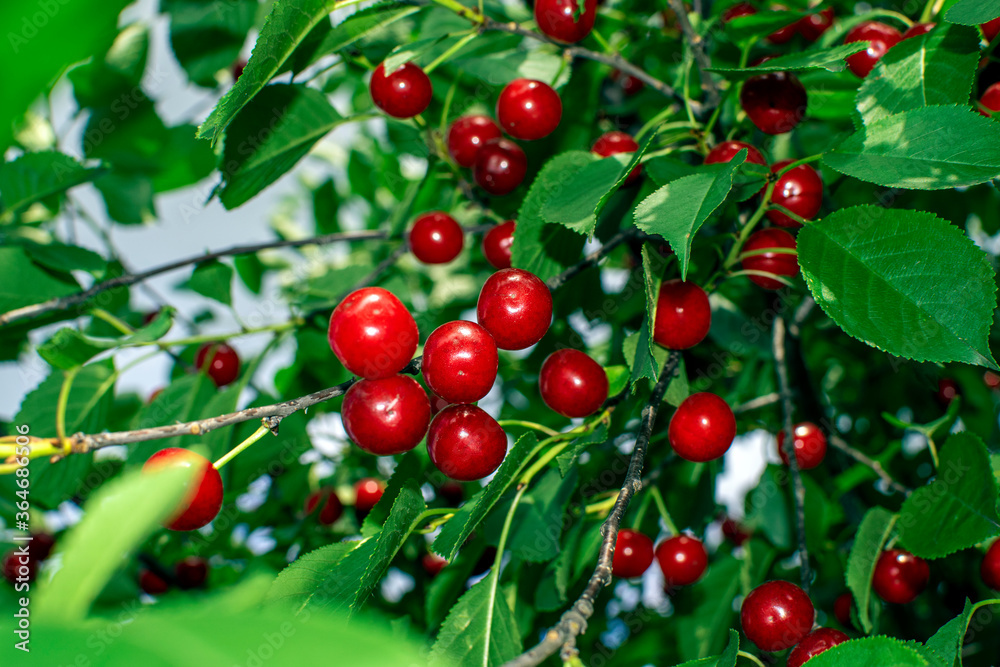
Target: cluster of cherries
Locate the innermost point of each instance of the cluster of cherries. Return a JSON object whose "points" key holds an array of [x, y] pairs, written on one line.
{"points": [[189, 573], [682, 558], [778, 615]]}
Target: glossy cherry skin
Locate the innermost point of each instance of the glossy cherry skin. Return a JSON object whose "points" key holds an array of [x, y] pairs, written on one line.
{"points": [[727, 150], [467, 135], [563, 20], [683, 315], [372, 333], [813, 644], [990, 100], [18, 568], [785, 34], [465, 443], [778, 263], [702, 428], [367, 493], [433, 564], [880, 38], [918, 29], [460, 362], [809, 444], [500, 166], [900, 576], [775, 102], [152, 583], [386, 416], [497, 244], [613, 143], [573, 384], [813, 26], [515, 306], [777, 615], [222, 367], [528, 109], [738, 10], [633, 554], [991, 29], [436, 238], [204, 497], [403, 93], [842, 609], [800, 190], [682, 560], [331, 509], [990, 568], [191, 572]]}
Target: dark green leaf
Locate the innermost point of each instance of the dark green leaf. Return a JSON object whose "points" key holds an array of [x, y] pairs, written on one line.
{"points": [[537, 528], [23, 283], [576, 204], [214, 280], [60, 257], [501, 68], [873, 533], [568, 456], [727, 659], [359, 26], [32, 176], [69, 348], [832, 60], [973, 12], [208, 37], [871, 651]]}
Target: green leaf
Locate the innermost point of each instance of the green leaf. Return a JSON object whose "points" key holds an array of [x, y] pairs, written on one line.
{"points": [[677, 210], [933, 148], [537, 529], [208, 37], [127, 197], [459, 527], [69, 348], [959, 508], [641, 361], [831, 60], [577, 204], [664, 169], [308, 573], [23, 283], [182, 400], [973, 12], [946, 644], [60, 257], [269, 136], [870, 651], [411, 466], [568, 456], [873, 533], [118, 519], [214, 280], [480, 630], [935, 68], [617, 379], [288, 24], [499, 69], [419, 49], [752, 28], [727, 659], [885, 276], [33, 176], [360, 25]]}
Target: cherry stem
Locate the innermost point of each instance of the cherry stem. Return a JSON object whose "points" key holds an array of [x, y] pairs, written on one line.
{"points": [[526, 424], [61, 403], [661, 507], [750, 657], [263, 430], [866, 460], [455, 48]]}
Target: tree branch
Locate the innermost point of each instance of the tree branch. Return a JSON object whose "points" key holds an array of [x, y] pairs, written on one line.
{"points": [[757, 403], [574, 620], [787, 409], [592, 259], [866, 460], [701, 58]]}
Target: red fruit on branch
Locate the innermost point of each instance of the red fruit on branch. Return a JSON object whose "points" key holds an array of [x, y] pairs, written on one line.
{"points": [[682, 559], [403, 93], [460, 362], [702, 428], [880, 38], [19, 568], [633, 554], [433, 564], [775, 102], [152, 583], [948, 389], [990, 567], [762, 253], [515, 306], [219, 361], [372, 333], [809, 443], [918, 29], [500, 166], [565, 20], [191, 572], [630, 85], [529, 109], [683, 315], [203, 499], [465, 443], [813, 26], [497, 244], [842, 609], [990, 101], [727, 150], [467, 135], [386, 416], [436, 238], [800, 190], [738, 10], [367, 492], [816, 642], [331, 509], [991, 29], [613, 143], [573, 384], [900, 576], [777, 615]]}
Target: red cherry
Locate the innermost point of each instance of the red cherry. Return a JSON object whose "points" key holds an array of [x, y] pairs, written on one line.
{"points": [[990, 569], [204, 498], [991, 29], [404, 93], [573, 384], [467, 135], [41, 545], [683, 315], [191, 572], [20, 568], [813, 26], [515, 306], [948, 389], [497, 244], [332, 509], [436, 238], [880, 38], [900, 576], [775, 102], [813, 644], [682, 560], [785, 34], [842, 609], [990, 100], [734, 532], [630, 85], [460, 362], [702, 428], [918, 29], [529, 109], [465, 443], [372, 333], [433, 564], [738, 10], [800, 190], [437, 403], [152, 583], [563, 20], [613, 143], [777, 615], [500, 166], [367, 493], [386, 416], [633, 554], [727, 150], [991, 380], [809, 444], [224, 366], [777, 263]]}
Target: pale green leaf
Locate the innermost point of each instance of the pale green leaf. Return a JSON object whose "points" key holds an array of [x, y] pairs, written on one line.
{"points": [[32, 176]]}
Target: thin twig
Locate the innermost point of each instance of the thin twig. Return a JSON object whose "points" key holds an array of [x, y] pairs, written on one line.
{"points": [[801, 313], [866, 460], [757, 403], [798, 488], [574, 620], [592, 259], [701, 58]]}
